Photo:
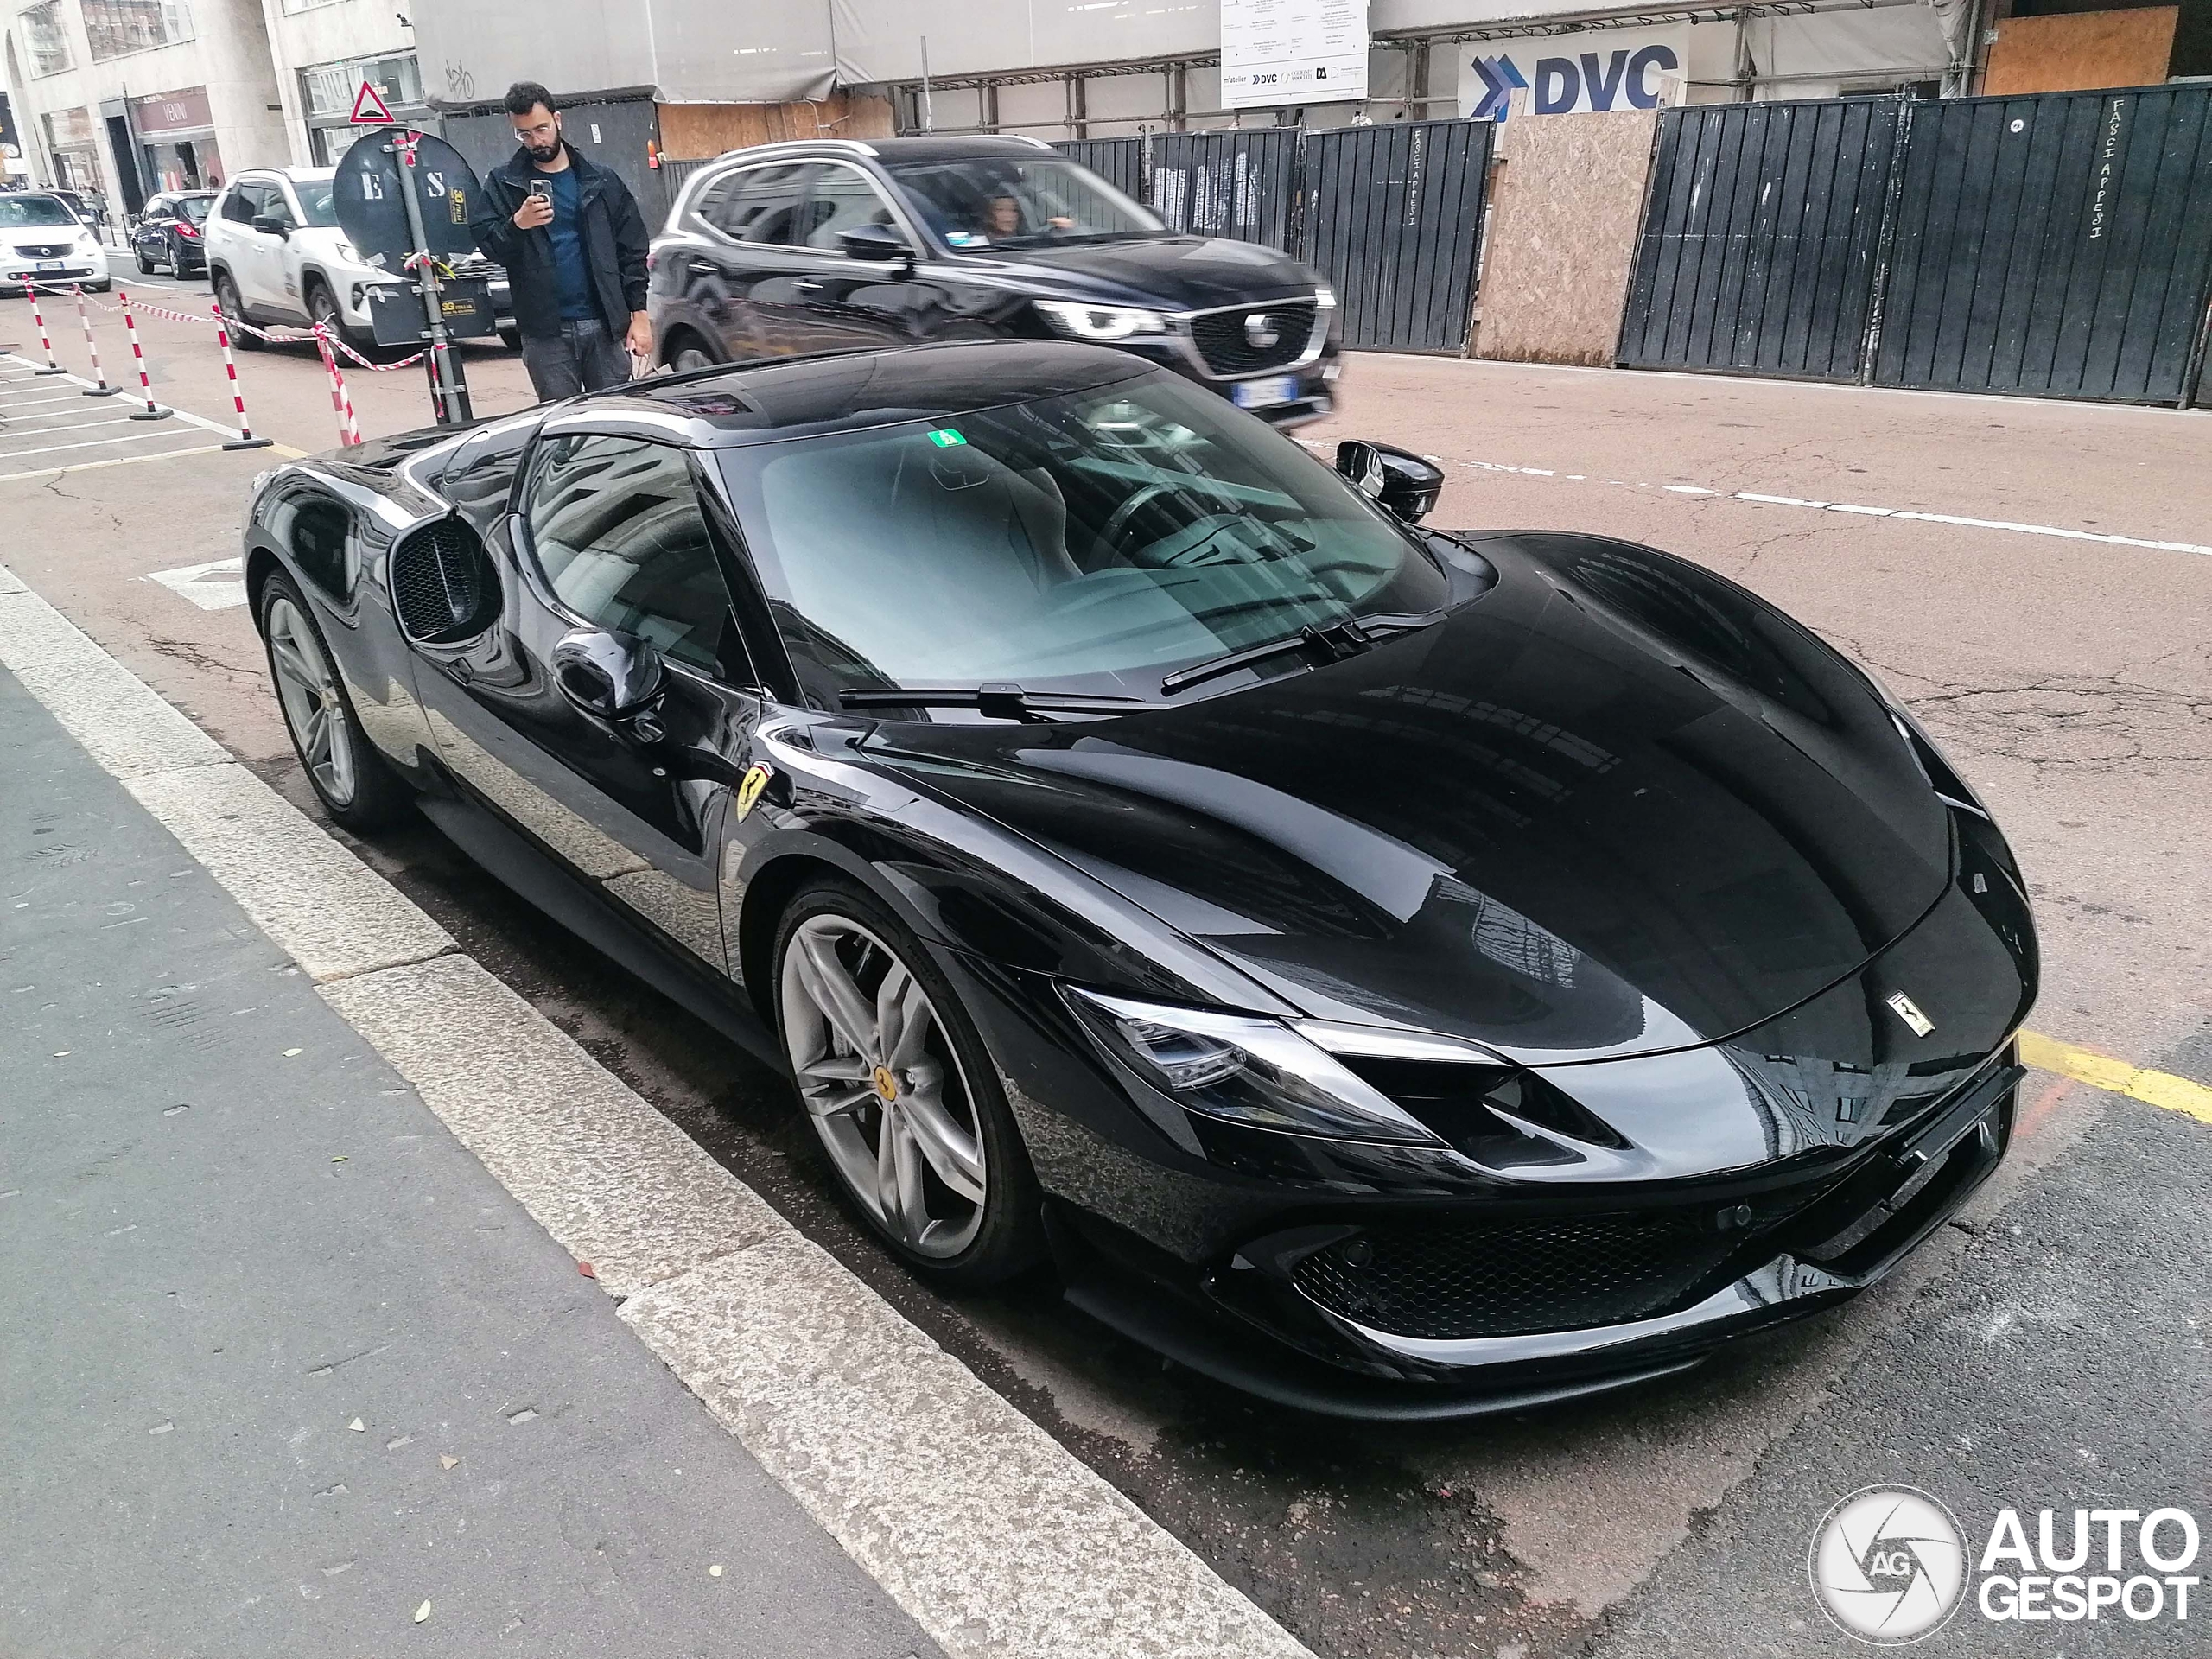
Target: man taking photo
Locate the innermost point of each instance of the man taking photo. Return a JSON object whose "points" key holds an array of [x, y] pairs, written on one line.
{"points": [[574, 244]]}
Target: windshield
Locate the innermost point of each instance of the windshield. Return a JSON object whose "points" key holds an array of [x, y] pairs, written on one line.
{"points": [[22, 212], [1013, 201], [1089, 543], [318, 200], [194, 208]]}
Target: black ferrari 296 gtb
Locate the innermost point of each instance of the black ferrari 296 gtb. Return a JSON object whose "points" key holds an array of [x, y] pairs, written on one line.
{"points": [[1402, 973]]}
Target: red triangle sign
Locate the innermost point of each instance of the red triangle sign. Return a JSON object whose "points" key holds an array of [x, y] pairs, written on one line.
{"points": [[369, 109]]}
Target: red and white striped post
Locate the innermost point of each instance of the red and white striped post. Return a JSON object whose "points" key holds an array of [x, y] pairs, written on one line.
{"points": [[153, 412], [341, 402], [39, 317], [102, 389], [245, 440]]}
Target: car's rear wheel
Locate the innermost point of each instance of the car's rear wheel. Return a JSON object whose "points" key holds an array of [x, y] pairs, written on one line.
{"points": [[900, 1090], [353, 782], [226, 296]]}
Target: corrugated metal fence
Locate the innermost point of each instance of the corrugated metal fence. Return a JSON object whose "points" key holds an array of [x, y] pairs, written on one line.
{"points": [[2059, 244]]}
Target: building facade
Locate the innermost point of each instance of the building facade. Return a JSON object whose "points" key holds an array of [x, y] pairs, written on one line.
{"points": [[324, 52], [127, 97]]}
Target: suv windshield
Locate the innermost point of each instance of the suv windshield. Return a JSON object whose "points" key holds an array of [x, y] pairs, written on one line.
{"points": [[1013, 201], [22, 212], [1089, 543]]}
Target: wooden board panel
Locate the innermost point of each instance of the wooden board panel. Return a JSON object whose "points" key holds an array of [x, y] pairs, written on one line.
{"points": [[2082, 51], [697, 131]]}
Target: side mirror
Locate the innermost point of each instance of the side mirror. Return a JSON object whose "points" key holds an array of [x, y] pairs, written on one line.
{"points": [[610, 677], [269, 226], [1401, 483], [875, 242]]}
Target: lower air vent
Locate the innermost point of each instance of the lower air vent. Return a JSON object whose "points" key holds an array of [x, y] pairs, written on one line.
{"points": [[1456, 1279], [441, 583]]}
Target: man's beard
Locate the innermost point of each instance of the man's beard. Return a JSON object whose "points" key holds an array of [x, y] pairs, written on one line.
{"points": [[545, 154]]}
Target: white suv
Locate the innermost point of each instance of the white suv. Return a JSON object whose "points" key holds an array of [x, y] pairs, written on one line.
{"points": [[276, 255]]}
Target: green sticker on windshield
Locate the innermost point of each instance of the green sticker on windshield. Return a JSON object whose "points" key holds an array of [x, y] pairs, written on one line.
{"points": [[945, 438]]}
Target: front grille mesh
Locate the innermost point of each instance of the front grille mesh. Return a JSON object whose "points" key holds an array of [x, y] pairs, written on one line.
{"points": [[46, 250], [1455, 1280], [1222, 340]]}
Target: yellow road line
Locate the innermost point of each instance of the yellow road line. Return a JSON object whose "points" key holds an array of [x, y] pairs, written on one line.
{"points": [[2117, 1077]]}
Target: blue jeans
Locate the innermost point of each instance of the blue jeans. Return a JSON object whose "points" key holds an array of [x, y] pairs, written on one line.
{"points": [[585, 356]]}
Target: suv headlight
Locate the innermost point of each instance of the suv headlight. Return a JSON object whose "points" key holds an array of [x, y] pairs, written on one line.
{"points": [[1244, 1068], [1080, 322]]}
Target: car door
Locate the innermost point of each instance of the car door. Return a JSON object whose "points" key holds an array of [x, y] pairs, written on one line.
{"points": [[608, 533], [851, 302], [737, 264], [149, 238], [257, 256]]}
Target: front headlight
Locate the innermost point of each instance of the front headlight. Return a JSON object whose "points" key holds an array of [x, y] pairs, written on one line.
{"points": [[87, 242], [1244, 1068], [1079, 321]]}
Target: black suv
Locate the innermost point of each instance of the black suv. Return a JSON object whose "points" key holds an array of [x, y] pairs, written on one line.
{"points": [[827, 244]]}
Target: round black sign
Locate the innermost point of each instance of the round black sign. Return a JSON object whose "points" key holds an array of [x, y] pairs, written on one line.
{"points": [[372, 211]]}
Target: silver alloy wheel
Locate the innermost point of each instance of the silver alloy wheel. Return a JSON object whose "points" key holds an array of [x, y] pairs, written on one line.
{"points": [[691, 358], [883, 1085], [308, 690]]}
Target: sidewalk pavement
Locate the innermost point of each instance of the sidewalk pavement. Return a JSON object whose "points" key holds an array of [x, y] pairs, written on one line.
{"points": [[284, 1364]]}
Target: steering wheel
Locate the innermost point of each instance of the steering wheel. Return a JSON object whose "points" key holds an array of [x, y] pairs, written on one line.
{"points": [[1139, 500]]}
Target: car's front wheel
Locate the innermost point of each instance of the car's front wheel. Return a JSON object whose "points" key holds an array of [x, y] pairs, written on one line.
{"points": [[900, 1090], [356, 787], [145, 265]]}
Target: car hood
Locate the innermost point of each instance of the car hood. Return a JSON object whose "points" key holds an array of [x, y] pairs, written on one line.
{"points": [[38, 236], [1615, 806], [1169, 273]]}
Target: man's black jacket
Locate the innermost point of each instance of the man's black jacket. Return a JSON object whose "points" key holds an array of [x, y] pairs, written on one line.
{"points": [[615, 242]]}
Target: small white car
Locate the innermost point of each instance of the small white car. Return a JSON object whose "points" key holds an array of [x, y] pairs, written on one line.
{"points": [[41, 239], [277, 256]]}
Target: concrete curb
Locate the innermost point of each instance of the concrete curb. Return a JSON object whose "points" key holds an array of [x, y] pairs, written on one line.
{"points": [[990, 1534]]}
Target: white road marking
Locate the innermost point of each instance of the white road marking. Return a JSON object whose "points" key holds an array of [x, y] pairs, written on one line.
{"points": [[1963, 521], [216, 586], [184, 415], [967, 1512], [89, 443], [10, 403], [118, 461]]}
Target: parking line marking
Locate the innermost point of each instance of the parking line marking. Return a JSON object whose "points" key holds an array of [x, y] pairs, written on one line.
{"points": [[8, 402], [74, 426], [2117, 1077], [1761, 499], [184, 415], [89, 443], [114, 461]]}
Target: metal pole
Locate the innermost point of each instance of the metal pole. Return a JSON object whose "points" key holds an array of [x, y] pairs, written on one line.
{"points": [[449, 381], [153, 412], [929, 110]]}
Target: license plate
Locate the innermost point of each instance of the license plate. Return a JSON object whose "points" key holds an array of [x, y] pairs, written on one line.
{"points": [[1258, 394], [52, 265]]}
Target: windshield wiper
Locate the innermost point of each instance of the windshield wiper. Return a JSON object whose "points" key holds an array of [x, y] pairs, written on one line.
{"points": [[995, 700], [1320, 645]]}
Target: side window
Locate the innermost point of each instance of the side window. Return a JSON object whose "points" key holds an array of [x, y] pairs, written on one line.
{"points": [[843, 198], [238, 205], [758, 205], [616, 526], [277, 202], [159, 207]]}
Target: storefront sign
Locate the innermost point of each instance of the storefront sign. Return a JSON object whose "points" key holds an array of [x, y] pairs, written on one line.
{"points": [[1606, 69], [184, 112], [1292, 52]]}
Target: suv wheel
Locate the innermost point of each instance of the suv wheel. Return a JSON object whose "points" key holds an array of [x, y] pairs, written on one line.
{"points": [[322, 308], [227, 296]]}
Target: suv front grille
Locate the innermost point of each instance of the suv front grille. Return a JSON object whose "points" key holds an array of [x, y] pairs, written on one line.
{"points": [[1457, 1279], [1226, 343]]}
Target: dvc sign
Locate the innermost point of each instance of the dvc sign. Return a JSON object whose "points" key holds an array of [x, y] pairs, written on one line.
{"points": [[1615, 69]]}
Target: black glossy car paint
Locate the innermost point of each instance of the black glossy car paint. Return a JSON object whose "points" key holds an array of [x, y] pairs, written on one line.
{"points": [[1641, 838], [737, 302]]}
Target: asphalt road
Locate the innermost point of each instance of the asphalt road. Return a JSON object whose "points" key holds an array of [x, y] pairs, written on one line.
{"points": [[2070, 678]]}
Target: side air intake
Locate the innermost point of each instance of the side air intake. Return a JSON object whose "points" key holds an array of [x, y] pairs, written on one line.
{"points": [[441, 583]]}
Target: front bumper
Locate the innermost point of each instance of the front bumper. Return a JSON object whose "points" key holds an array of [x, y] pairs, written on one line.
{"points": [[1250, 1323], [73, 267]]}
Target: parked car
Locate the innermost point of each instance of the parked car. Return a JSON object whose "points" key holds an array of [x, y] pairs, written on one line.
{"points": [[276, 255], [172, 233], [811, 245], [43, 239], [1401, 973]]}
